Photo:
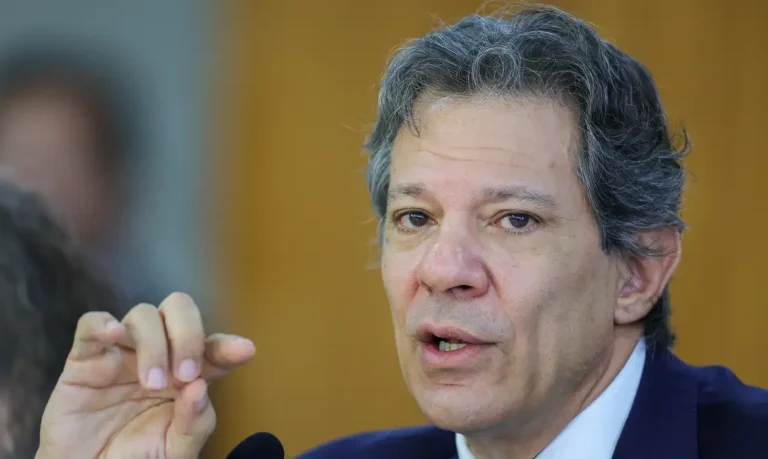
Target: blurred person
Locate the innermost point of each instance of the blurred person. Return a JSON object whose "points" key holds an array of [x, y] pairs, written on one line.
{"points": [[528, 188], [68, 131], [46, 285]]}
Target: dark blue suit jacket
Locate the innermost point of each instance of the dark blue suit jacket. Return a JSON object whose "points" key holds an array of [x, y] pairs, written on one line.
{"points": [[680, 412]]}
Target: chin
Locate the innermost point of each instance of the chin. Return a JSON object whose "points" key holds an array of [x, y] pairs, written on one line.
{"points": [[462, 409]]}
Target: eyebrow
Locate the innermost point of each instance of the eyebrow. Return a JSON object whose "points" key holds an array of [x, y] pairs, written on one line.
{"points": [[405, 191], [519, 193], [489, 195]]}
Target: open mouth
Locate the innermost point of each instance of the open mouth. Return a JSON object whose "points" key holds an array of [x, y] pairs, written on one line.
{"points": [[446, 339], [450, 347], [448, 344]]}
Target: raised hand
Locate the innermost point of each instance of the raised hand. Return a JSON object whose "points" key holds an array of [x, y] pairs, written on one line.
{"points": [[138, 388]]}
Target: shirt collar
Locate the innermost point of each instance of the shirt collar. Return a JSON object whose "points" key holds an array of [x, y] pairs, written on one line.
{"points": [[594, 432]]}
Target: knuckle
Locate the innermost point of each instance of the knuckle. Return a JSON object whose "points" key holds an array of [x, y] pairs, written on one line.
{"points": [[140, 312], [152, 352], [188, 343], [144, 308], [178, 300], [89, 320], [143, 323]]}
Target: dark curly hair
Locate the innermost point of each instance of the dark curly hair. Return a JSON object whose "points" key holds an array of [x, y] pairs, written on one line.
{"points": [[45, 286]]}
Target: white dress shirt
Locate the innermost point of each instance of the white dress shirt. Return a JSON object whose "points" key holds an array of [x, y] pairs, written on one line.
{"points": [[594, 432]]}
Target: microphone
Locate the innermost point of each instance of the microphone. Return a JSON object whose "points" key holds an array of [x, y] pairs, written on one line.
{"points": [[260, 445]]}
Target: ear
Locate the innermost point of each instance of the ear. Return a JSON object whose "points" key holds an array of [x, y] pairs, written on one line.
{"points": [[645, 277]]}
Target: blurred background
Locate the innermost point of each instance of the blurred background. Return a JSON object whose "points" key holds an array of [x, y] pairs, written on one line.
{"points": [[215, 148], [102, 109]]}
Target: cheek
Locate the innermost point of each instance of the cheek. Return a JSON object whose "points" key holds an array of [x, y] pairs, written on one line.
{"points": [[579, 318], [555, 299], [398, 272], [590, 281], [399, 278]]}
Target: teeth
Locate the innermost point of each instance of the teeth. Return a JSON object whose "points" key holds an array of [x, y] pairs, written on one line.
{"points": [[445, 346]]}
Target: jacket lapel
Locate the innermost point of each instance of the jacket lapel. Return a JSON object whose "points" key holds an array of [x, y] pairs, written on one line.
{"points": [[663, 421]]}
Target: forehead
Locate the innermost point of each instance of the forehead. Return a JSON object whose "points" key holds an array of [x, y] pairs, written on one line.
{"points": [[37, 126], [44, 106], [467, 146]]}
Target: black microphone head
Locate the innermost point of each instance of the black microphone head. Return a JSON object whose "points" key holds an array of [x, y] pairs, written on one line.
{"points": [[260, 445]]}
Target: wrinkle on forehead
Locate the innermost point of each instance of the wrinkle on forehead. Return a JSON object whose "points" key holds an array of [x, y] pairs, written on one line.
{"points": [[515, 129], [494, 155], [467, 145], [464, 159]]}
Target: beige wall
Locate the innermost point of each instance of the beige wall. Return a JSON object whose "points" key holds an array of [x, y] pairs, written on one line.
{"points": [[295, 230]]}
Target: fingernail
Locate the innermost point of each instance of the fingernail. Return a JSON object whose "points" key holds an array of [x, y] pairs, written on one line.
{"points": [[112, 325], [188, 370], [202, 401], [156, 379]]}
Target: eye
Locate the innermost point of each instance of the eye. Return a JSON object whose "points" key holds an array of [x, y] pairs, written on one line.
{"points": [[517, 222], [411, 221]]}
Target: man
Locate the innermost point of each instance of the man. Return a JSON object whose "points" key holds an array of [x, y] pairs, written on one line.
{"points": [[45, 286], [68, 132], [529, 195]]}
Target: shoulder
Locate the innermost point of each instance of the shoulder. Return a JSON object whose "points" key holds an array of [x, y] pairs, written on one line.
{"points": [[407, 443], [732, 416]]}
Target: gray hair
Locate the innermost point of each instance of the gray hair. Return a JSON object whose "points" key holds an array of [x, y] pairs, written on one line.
{"points": [[628, 162]]}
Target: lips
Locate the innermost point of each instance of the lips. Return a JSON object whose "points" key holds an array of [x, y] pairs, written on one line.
{"points": [[428, 333], [449, 348]]}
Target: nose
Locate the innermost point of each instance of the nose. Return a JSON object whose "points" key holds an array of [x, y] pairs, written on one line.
{"points": [[453, 265]]}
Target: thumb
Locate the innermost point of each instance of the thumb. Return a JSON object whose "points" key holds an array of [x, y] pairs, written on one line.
{"points": [[193, 421]]}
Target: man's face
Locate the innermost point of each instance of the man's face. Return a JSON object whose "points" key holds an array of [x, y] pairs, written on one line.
{"points": [[489, 242]]}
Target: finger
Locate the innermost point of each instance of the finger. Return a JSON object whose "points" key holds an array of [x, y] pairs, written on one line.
{"points": [[225, 352], [146, 333], [193, 421], [184, 327], [95, 332]]}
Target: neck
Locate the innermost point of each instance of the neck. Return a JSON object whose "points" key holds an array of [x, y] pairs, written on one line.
{"points": [[530, 442]]}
